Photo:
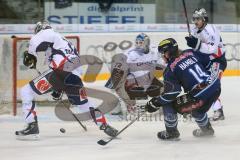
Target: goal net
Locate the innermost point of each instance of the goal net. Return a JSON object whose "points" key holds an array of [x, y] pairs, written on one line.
{"points": [[14, 75]]}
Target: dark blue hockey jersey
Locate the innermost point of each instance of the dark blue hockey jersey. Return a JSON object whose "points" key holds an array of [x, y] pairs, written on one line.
{"points": [[187, 71]]}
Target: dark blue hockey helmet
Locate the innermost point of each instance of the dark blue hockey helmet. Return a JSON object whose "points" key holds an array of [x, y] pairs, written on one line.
{"points": [[169, 45]]}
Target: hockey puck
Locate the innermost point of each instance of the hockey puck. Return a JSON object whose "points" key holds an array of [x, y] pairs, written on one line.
{"points": [[62, 130]]}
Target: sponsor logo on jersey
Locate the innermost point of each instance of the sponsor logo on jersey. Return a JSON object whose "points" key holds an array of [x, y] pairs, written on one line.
{"points": [[147, 63], [43, 85]]}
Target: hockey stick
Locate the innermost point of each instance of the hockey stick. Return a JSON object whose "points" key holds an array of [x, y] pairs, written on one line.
{"points": [[75, 117], [103, 143], [186, 17]]}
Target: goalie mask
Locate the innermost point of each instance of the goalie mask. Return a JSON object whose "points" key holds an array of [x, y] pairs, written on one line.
{"points": [[200, 13], [41, 25], [142, 42]]}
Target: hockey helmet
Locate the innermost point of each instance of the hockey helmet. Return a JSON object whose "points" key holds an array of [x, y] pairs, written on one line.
{"points": [[41, 25], [169, 45], [200, 13], [142, 42]]}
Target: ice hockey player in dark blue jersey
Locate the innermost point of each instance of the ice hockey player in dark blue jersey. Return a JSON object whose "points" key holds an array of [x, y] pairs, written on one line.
{"points": [[186, 69]]}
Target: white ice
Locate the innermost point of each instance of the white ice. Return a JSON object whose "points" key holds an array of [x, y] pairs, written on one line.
{"points": [[138, 142]]}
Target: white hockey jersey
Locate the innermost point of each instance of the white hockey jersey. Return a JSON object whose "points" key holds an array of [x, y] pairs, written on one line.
{"points": [[141, 66], [211, 42], [57, 49]]}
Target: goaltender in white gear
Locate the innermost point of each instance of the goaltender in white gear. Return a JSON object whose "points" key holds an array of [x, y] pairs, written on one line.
{"points": [[132, 73]]}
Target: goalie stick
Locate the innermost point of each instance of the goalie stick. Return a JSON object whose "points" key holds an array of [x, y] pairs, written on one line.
{"points": [[75, 117]]}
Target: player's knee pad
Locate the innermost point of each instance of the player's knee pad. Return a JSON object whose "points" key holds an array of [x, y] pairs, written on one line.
{"points": [[27, 93], [77, 100], [29, 112]]}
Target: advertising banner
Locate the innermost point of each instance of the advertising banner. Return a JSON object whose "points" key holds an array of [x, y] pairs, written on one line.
{"points": [[90, 13]]}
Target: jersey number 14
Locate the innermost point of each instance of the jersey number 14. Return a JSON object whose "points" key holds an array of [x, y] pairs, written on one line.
{"points": [[198, 73]]}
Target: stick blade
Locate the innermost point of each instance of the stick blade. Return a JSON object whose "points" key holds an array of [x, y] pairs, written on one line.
{"points": [[102, 142], [85, 128]]}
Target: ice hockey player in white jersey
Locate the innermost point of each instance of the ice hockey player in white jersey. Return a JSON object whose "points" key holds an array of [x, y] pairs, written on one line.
{"points": [[62, 77], [132, 73], [206, 39]]}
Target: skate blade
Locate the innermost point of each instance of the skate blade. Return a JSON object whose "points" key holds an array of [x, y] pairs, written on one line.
{"points": [[205, 136], [170, 140], [216, 120], [32, 137]]}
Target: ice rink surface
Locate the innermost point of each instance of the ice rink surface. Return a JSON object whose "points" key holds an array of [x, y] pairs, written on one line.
{"points": [[138, 142]]}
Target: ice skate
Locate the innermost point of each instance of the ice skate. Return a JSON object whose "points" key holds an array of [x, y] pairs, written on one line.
{"points": [[218, 115], [169, 135], [109, 130], [205, 131], [31, 132]]}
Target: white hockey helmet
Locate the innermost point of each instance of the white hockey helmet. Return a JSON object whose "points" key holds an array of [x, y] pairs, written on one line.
{"points": [[142, 42], [41, 25], [200, 13]]}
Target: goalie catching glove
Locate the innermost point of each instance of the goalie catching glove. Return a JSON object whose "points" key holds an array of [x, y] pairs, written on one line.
{"points": [[29, 60]]}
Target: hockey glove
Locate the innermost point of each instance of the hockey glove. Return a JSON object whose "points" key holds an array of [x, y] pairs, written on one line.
{"points": [[29, 60], [153, 105], [193, 42], [57, 95]]}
